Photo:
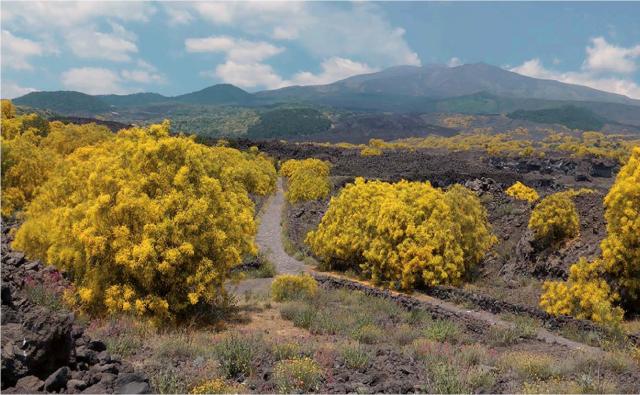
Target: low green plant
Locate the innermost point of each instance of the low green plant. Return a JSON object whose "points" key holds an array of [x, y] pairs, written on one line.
{"points": [[302, 315], [499, 336], [355, 356], [530, 366], [235, 354], [442, 331], [297, 375], [368, 334]]}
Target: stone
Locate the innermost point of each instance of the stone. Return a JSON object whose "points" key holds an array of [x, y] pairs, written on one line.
{"points": [[98, 388], [131, 383], [30, 384], [97, 345], [57, 380], [74, 385], [6, 294]]}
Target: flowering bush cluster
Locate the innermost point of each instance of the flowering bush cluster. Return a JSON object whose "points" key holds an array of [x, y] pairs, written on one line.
{"points": [[31, 149], [597, 290], [406, 234], [146, 223], [308, 179], [522, 192], [555, 218]]}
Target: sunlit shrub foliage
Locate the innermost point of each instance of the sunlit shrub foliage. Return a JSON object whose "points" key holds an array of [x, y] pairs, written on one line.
{"points": [[290, 287], [555, 218], [597, 290], [370, 151], [405, 234], [146, 223], [32, 148], [522, 192], [308, 179]]}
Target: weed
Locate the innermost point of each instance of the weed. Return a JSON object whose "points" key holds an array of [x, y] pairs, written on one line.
{"points": [[441, 331], [218, 386], [168, 381], [498, 336], [287, 351], [235, 354], [368, 334], [530, 366], [355, 356], [404, 334], [302, 315], [325, 323], [445, 378], [527, 327], [176, 348], [297, 375]]}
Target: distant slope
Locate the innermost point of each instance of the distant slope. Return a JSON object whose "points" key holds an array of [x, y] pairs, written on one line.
{"points": [[289, 122], [439, 81], [216, 94], [135, 99], [63, 102], [570, 116]]}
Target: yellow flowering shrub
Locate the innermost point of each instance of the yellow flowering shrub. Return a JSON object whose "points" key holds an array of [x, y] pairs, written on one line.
{"points": [[32, 148], [522, 192], [308, 179], [146, 223], [586, 295], [370, 151], [555, 218], [218, 386], [406, 234], [290, 286], [66, 138], [599, 289]]}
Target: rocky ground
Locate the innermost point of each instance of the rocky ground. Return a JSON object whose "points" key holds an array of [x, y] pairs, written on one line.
{"points": [[44, 347]]}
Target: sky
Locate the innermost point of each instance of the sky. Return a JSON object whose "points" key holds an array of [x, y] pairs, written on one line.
{"points": [[179, 47]]}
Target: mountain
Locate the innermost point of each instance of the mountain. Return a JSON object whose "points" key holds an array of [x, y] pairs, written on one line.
{"points": [[468, 89], [64, 102], [441, 82], [216, 94], [135, 99]]}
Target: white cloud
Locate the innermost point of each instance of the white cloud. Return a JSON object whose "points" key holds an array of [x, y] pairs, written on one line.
{"points": [[454, 62], [93, 80], [11, 90], [45, 15], [235, 49], [284, 33], [117, 46], [333, 69], [357, 31], [535, 68], [602, 56], [177, 14], [248, 75], [144, 74], [605, 68], [16, 51]]}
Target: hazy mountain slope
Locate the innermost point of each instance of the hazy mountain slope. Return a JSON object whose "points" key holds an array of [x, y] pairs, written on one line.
{"points": [[63, 102], [438, 81], [217, 94], [134, 99]]}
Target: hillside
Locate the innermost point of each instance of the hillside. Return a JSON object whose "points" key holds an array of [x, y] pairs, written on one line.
{"points": [[570, 116], [64, 102]]}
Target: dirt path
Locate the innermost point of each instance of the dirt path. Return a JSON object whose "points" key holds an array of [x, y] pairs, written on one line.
{"points": [[269, 240]]}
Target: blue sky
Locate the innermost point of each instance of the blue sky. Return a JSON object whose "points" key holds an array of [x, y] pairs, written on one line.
{"points": [[178, 47]]}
